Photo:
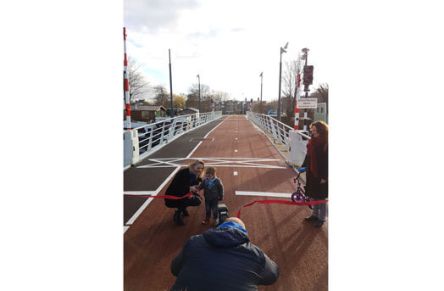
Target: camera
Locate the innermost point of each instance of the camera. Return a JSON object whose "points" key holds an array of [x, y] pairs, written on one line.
{"points": [[222, 213]]}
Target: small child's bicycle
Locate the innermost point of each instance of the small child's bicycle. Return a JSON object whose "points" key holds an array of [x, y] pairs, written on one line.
{"points": [[299, 194]]}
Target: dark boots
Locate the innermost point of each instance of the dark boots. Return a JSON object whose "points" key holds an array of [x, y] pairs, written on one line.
{"points": [[177, 218]]}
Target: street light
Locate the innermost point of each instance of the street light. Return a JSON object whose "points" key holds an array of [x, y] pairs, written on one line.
{"points": [[198, 78], [262, 77], [282, 50], [171, 85]]}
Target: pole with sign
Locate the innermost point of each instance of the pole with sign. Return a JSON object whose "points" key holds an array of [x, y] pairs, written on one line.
{"points": [[308, 103]]}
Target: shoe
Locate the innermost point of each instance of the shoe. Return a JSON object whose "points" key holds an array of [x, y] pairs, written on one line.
{"points": [[177, 219], [310, 218], [185, 212], [318, 223]]}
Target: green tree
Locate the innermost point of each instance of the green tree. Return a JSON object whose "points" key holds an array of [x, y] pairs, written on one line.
{"points": [[179, 101]]}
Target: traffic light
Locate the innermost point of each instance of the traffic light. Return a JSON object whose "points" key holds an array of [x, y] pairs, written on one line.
{"points": [[308, 75]]}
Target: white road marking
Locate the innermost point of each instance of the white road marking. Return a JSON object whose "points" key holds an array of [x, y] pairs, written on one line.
{"points": [[213, 129], [220, 162], [138, 212], [267, 194], [195, 148], [140, 192], [207, 158], [221, 165], [235, 173]]}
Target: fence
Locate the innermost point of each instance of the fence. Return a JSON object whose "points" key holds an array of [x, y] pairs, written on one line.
{"points": [[149, 138], [295, 141]]}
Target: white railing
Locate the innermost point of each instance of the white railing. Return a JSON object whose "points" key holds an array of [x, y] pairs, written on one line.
{"points": [[149, 138], [294, 140]]}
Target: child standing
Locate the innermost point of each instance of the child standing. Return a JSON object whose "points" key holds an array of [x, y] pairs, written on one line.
{"points": [[213, 192]]}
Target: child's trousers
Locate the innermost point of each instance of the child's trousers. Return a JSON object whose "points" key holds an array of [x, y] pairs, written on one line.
{"points": [[211, 207]]}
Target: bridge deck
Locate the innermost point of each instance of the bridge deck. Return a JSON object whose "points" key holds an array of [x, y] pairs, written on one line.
{"points": [[245, 161]]}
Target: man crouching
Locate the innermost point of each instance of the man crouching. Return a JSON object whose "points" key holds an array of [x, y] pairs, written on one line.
{"points": [[223, 258]]}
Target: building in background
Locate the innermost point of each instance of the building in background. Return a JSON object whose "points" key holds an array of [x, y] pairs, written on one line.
{"points": [[147, 113], [321, 112]]}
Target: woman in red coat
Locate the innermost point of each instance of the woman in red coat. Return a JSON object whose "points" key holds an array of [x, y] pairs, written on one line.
{"points": [[316, 162]]}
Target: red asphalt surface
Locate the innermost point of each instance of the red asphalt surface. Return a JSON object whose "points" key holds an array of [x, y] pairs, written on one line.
{"points": [[300, 250]]}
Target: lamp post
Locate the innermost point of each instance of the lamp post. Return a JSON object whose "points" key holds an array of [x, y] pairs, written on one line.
{"points": [[296, 93], [198, 78], [262, 77], [282, 50], [171, 86]]}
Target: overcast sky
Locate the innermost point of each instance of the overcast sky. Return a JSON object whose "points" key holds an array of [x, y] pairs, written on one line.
{"points": [[228, 43]]}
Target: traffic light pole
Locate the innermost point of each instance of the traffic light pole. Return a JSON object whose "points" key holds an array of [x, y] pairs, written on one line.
{"points": [[305, 89]]}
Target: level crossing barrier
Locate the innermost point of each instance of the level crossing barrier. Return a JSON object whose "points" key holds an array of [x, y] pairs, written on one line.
{"points": [[147, 139]]}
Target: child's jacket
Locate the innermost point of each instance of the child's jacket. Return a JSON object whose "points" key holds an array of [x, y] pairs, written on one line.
{"points": [[213, 188]]}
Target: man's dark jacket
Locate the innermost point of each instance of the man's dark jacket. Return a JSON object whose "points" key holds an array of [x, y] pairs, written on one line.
{"points": [[222, 259]]}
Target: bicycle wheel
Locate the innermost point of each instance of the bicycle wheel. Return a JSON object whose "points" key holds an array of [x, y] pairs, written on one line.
{"points": [[297, 196]]}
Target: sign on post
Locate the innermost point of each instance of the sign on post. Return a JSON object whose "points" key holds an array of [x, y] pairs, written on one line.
{"points": [[307, 103]]}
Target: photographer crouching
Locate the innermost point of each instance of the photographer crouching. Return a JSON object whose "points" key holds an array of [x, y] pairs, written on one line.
{"points": [[223, 258]]}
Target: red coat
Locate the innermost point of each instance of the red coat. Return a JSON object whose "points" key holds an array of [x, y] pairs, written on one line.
{"points": [[316, 162]]}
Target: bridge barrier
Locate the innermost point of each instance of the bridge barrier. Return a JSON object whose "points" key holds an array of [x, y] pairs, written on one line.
{"points": [[149, 138], [127, 148], [294, 141]]}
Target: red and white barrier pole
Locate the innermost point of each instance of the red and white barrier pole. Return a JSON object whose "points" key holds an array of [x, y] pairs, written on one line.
{"points": [[298, 84], [126, 84]]}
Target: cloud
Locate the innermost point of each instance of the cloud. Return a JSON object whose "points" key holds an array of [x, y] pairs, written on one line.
{"points": [[152, 15], [213, 32], [227, 47]]}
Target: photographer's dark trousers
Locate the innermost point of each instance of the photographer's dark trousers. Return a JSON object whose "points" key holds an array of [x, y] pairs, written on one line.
{"points": [[211, 207]]}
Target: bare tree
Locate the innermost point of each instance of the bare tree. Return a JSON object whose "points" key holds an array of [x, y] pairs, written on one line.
{"points": [[137, 83], [321, 93], [289, 79], [205, 97], [161, 96], [289, 86]]}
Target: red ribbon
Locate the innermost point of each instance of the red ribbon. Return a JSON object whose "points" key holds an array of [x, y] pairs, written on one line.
{"points": [[272, 201], [277, 201], [188, 195]]}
